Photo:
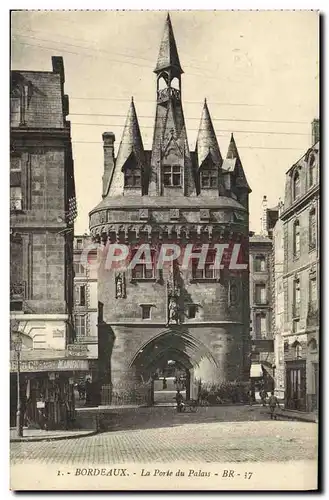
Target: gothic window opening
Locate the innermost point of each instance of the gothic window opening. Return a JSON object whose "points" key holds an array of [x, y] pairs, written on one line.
{"points": [[297, 350], [207, 271], [296, 185], [296, 239], [172, 175], [312, 229]]}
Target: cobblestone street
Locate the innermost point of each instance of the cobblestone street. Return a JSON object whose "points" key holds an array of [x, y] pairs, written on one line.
{"points": [[215, 434]]}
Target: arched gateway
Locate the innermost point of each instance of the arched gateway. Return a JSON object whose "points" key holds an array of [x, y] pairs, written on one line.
{"points": [[197, 317], [189, 354]]}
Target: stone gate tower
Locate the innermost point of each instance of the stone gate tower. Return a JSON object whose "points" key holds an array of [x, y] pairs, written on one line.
{"points": [[197, 317]]}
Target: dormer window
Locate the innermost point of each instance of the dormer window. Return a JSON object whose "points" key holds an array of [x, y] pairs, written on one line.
{"points": [[172, 175], [132, 178], [296, 185], [208, 178]]}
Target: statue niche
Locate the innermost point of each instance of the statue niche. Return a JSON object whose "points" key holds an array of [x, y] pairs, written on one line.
{"points": [[120, 285]]}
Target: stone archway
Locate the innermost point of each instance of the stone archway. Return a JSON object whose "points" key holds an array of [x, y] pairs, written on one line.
{"points": [[180, 346]]}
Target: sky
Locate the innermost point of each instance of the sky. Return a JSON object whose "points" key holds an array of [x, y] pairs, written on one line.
{"points": [[259, 71]]}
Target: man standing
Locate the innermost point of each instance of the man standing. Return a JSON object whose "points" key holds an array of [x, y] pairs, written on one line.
{"points": [[179, 401], [273, 402]]}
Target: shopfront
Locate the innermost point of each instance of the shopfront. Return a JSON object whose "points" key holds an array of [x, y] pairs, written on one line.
{"points": [[46, 391]]}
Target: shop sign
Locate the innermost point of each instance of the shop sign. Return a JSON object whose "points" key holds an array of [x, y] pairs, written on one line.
{"points": [[51, 365], [77, 350], [52, 376], [41, 404]]}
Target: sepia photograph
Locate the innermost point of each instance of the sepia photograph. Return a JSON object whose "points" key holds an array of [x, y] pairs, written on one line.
{"points": [[164, 250]]}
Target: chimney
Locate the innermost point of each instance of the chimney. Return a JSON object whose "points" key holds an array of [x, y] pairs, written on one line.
{"points": [[315, 130], [264, 216], [108, 146], [58, 67]]}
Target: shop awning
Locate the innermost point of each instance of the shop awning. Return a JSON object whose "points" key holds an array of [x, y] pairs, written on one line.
{"points": [[256, 370]]}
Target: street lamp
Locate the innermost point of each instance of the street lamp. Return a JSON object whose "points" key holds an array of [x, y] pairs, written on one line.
{"points": [[17, 345]]}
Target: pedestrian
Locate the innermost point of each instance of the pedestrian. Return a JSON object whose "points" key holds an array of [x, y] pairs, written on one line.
{"points": [[251, 397], [164, 383], [179, 401], [273, 402], [263, 396]]}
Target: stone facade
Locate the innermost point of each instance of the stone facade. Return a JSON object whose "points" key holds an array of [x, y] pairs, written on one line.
{"points": [[171, 194], [42, 212], [300, 221], [85, 296], [261, 304]]}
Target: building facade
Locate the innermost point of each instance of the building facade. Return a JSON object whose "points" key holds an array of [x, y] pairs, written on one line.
{"points": [[300, 221], [260, 258], [149, 317], [85, 310], [42, 212], [278, 308]]}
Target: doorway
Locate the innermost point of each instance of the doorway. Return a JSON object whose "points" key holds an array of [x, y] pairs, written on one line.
{"points": [[296, 385]]}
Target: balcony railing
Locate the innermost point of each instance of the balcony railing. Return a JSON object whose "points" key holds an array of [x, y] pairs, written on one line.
{"points": [[165, 94]]}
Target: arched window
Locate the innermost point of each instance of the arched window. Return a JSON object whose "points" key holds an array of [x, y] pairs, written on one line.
{"points": [[297, 350], [296, 185], [312, 229], [311, 178], [296, 239]]}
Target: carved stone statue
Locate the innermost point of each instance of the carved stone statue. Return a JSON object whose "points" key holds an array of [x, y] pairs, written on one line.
{"points": [[120, 292]]}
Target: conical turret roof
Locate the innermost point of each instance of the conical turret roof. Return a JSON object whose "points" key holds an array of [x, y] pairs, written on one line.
{"points": [[233, 164], [168, 55], [207, 143], [131, 141]]}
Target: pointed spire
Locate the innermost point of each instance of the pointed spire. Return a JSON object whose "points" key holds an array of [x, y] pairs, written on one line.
{"points": [[207, 143], [232, 151], [168, 55], [233, 164], [131, 141]]}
